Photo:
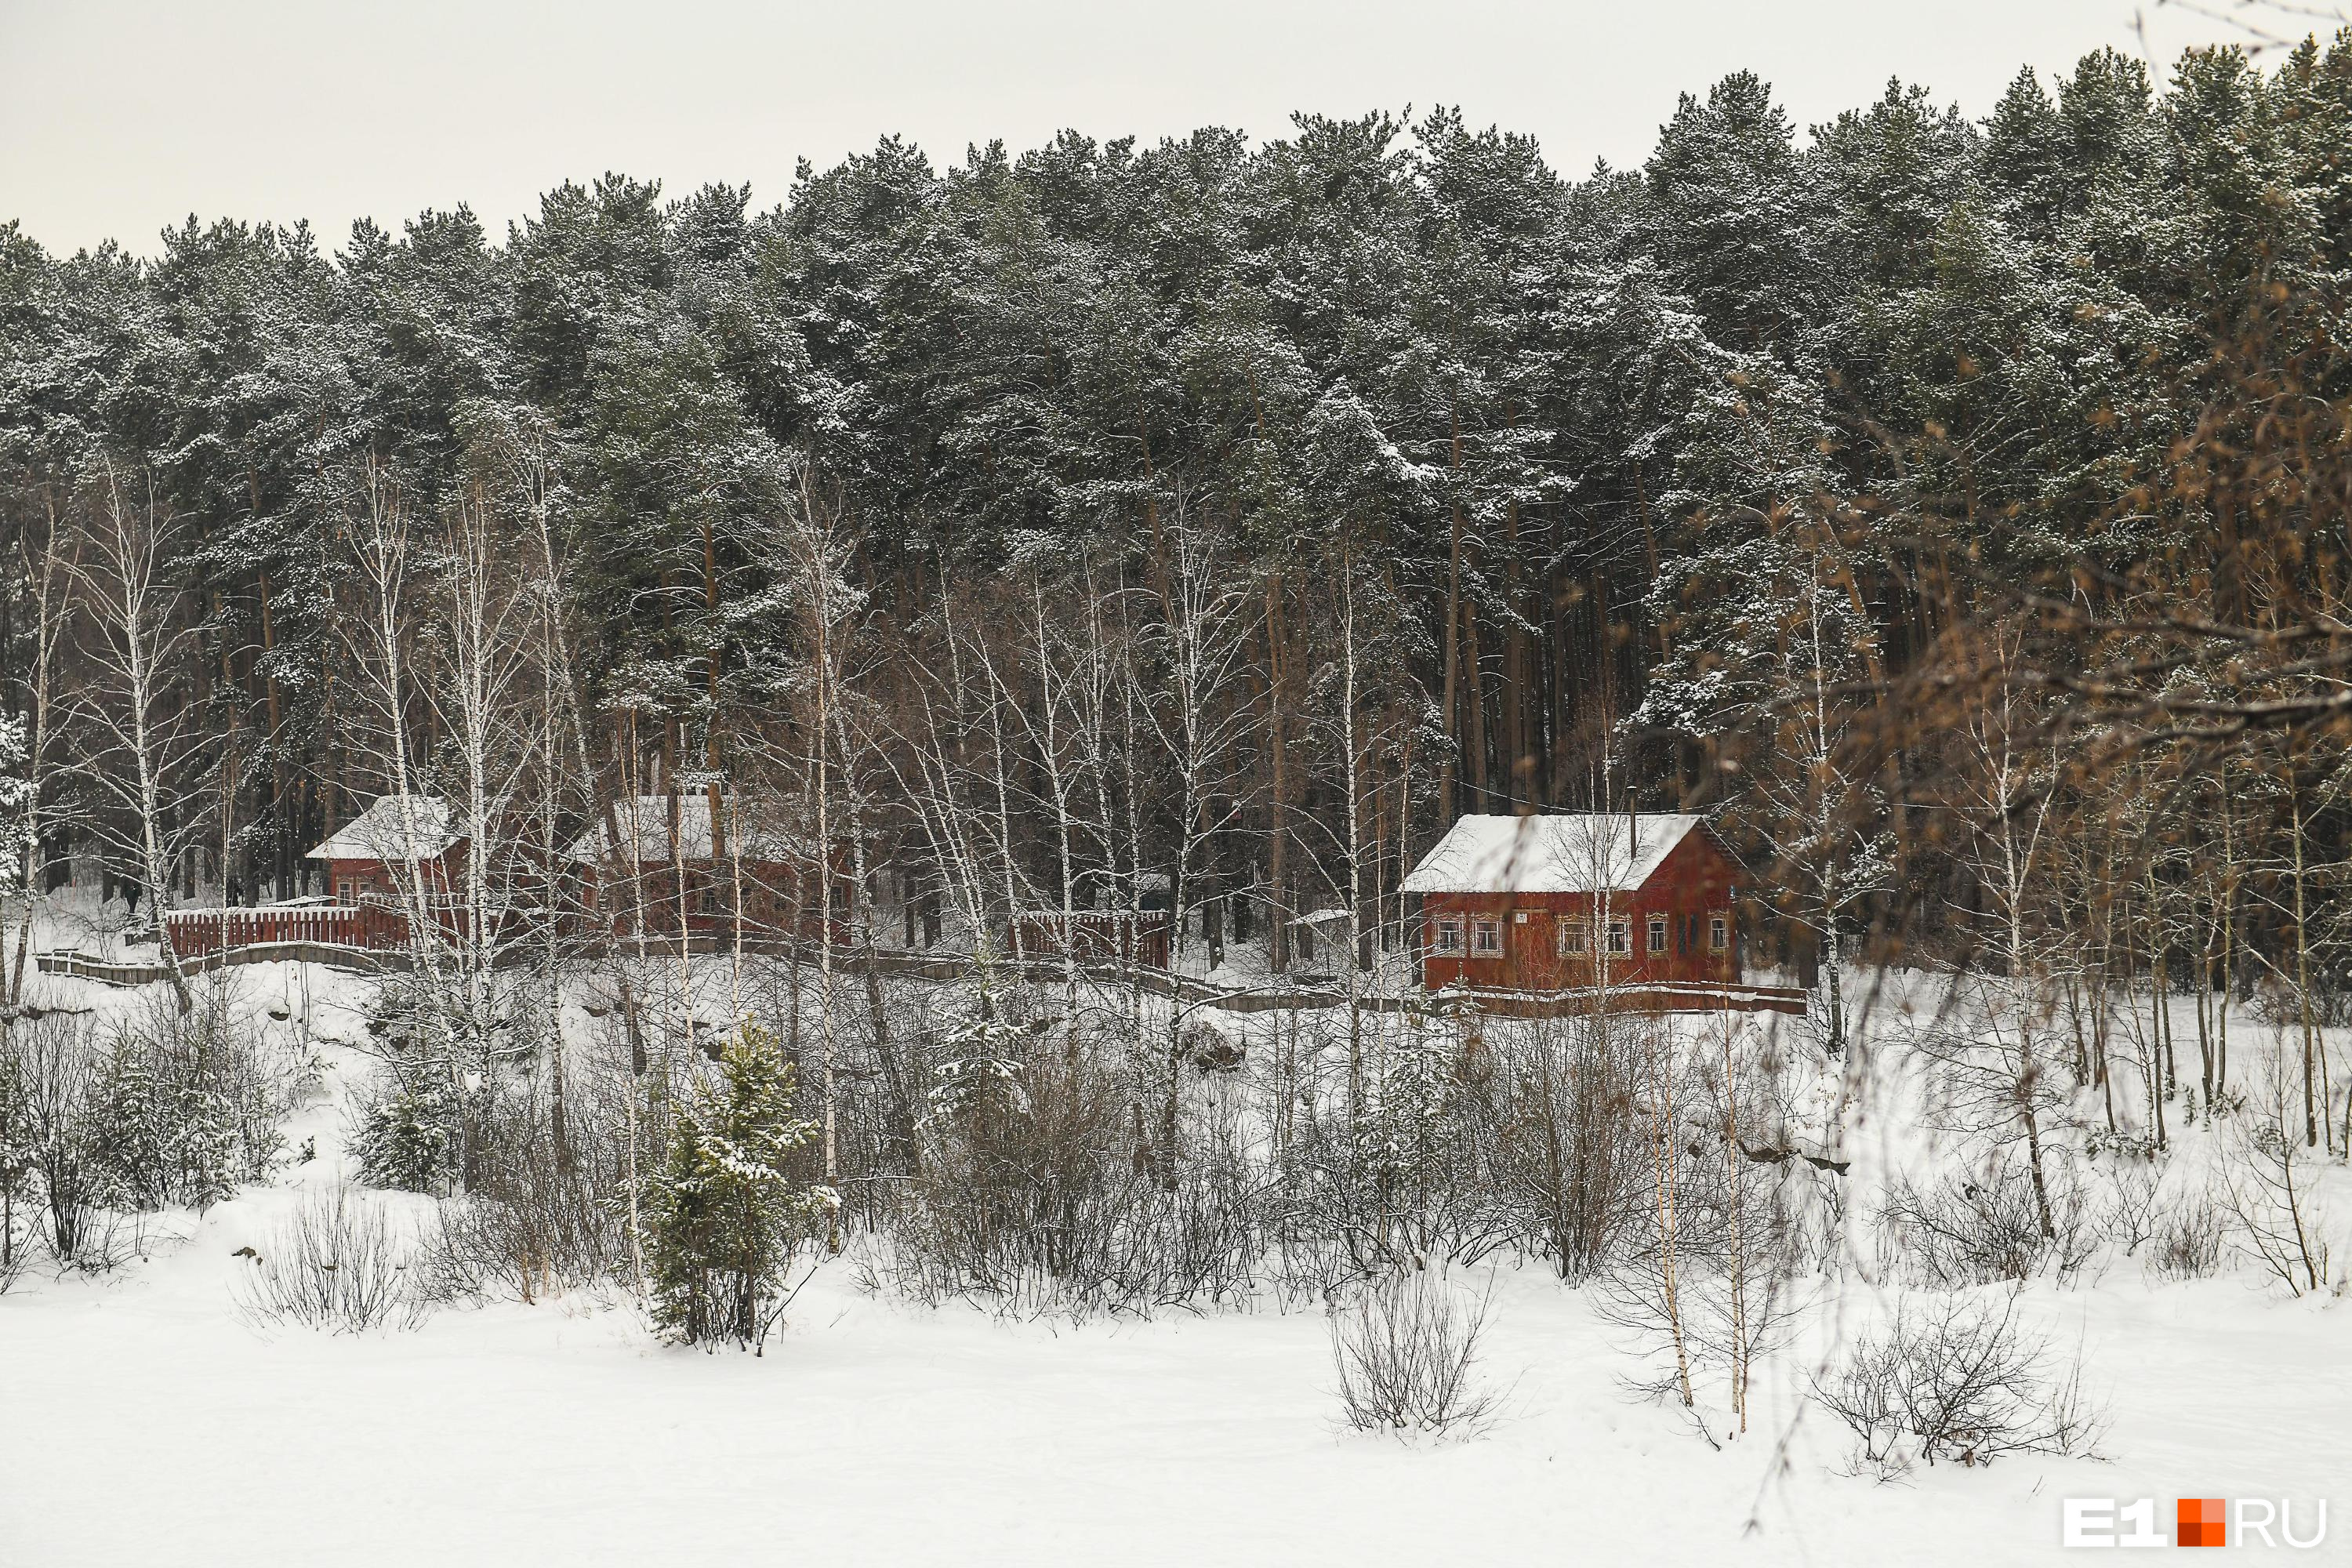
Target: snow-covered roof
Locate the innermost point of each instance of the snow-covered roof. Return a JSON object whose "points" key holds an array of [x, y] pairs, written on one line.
{"points": [[646, 820], [1579, 854], [394, 828]]}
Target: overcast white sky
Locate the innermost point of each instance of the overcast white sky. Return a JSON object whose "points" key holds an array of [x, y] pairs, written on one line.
{"points": [[118, 117]]}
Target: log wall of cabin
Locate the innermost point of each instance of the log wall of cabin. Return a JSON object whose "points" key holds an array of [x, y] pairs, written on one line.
{"points": [[1691, 886]]}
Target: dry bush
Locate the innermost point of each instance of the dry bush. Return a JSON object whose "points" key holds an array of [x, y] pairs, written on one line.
{"points": [[340, 1262], [1039, 1186], [1406, 1352], [1983, 1227], [1569, 1153], [543, 1215], [2187, 1243], [1389, 1172], [2175, 1238], [52, 1065], [2136, 1206], [2268, 1186], [526, 1241], [1958, 1379]]}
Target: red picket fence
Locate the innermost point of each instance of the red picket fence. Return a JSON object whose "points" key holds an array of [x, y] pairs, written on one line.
{"points": [[377, 928]]}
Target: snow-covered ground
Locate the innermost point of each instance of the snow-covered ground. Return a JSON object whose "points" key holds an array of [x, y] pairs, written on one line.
{"points": [[142, 1422]]}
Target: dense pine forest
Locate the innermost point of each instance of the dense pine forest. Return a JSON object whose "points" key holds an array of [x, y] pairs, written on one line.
{"points": [[1633, 489], [1952, 510]]}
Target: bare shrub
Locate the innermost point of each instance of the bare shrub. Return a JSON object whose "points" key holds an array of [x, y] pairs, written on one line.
{"points": [[52, 1065], [338, 1262], [1983, 1225], [1037, 1186], [1567, 1147], [1958, 1379], [18, 1218], [2136, 1208], [1406, 1350], [526, 1241], [546, 1212], [2175, 1238], [2187, 1243], [2267, 1187], [1390, 1162]]}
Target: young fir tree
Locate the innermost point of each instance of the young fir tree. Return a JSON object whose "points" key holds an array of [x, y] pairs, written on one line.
{"points": [[727, 1211]]}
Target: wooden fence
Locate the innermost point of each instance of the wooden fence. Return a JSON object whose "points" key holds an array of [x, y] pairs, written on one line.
{"points": [[371, 927], [1657, 997], [1108, 951]]}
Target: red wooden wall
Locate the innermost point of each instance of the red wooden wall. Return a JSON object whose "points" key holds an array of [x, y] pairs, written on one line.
{"points": [[1692, 886]]}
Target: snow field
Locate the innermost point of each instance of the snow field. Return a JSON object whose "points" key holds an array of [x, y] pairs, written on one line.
{"points": [[142, 1422]]}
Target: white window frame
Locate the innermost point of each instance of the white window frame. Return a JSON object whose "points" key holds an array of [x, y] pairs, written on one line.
{"points": [[1621, 936], [1485, 938], [1449, 935], [1657, 927], [1718, 931], [1573, 938]]}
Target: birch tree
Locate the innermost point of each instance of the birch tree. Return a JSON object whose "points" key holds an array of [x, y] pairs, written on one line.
{"points": [[136, 720]]}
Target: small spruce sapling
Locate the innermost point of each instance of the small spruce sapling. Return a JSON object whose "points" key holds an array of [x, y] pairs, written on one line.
{"points": [[727, 1212]]}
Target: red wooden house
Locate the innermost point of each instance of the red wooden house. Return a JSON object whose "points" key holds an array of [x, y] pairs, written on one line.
{"points": [[668, 869], [1550, 903], [374, 867], [371, 858]]}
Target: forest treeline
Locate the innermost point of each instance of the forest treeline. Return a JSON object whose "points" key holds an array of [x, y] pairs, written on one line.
{"points": [[1243, 512]]}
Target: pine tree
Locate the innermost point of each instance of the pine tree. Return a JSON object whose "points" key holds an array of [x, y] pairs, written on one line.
{"points": [[728, 1209], [1893, 170], [2026, 159], [1734, 213]]}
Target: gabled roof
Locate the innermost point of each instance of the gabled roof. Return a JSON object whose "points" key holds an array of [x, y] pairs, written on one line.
{"points": [[1567, 854], [644, 821], [394, 828]]}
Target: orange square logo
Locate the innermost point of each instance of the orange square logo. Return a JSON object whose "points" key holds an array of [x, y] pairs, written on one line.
{"points": [[2201, 1521]]}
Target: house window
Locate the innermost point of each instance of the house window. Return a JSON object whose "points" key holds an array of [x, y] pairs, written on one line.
{"points": [[1449, 936], [1718, 931], [1621, 934], [343, 891], [1657, 934], [1485, 936], [1575, 937]]}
